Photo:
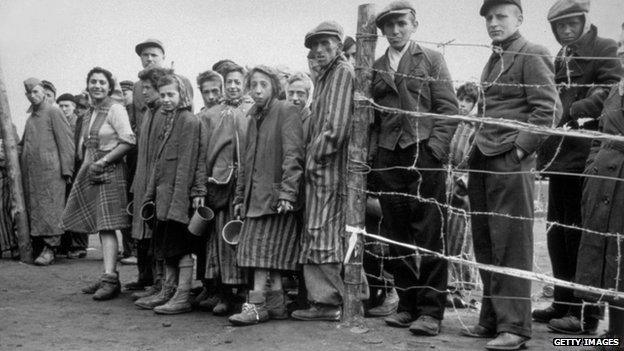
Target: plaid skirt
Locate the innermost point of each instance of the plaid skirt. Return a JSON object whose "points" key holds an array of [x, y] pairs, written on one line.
{"points": [[92, 208], [270, 242]]}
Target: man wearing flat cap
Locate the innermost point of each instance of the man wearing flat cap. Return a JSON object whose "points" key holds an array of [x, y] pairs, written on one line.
{"points": [[49, 90], [502, 183], [47, 162], [581, 108], [322, 250], [413, 78], [67, 104]]}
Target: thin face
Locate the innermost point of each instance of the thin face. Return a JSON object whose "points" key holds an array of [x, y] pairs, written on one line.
{"points": [[67, 107], [50, 95], [81, 111], [36, 95], [350, 54], [297, 93], [169, 96], [234, 85], [569, 29], [325, 48], [98, 86], [502, 21], [128, 95], [465, 105], [399, 29], [149, 92], [260, 88], [211, 92], [152, 56]]}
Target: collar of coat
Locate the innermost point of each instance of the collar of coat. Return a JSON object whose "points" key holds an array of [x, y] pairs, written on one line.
{"points": [[325, 71], [34, 108], [582, 46], [383, 64], [509, 55], [260, 111]]}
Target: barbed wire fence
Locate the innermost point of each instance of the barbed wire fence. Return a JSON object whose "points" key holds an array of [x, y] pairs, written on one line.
{"points": [[360, 242]]}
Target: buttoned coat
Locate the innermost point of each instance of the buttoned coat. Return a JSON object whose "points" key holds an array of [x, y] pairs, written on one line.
{"points": [[580, 102], [47, 155], [521, 63], [272, 167], [422, 83], [174, 180]]}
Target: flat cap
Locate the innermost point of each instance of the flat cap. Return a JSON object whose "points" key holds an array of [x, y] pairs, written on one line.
{"points": [[126, 85], [30, 83], [66, 97], [568, 8], [395, 8], [325, 28], [488, 4], [48, 85], [149, 43]]}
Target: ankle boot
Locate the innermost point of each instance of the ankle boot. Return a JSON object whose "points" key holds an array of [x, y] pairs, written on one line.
{"points": [[254, 311], [181, 301], [159, 276], [109, 287], [276, 304], [166, 292], [91, 288]]}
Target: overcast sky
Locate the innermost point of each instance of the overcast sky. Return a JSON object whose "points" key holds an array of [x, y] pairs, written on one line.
{"points": [[60, 40]]}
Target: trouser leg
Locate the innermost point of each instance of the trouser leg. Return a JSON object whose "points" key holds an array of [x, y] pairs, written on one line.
{"points": [[324, 283], [145, 262]]}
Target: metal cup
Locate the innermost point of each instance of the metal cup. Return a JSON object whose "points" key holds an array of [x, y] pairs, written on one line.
{"points": [[148, 210], [130, 208], [231, 231], [198, 224]]}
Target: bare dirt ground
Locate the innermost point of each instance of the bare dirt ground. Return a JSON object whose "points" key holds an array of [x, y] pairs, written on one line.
{"points": [[43, 309]]}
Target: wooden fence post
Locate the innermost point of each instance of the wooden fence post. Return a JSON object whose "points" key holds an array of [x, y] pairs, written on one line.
{"points": [[15, 175], [366, 42]]}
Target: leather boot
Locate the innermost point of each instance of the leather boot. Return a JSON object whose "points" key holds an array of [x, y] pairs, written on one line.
{"points": [[165, 293], [253, 312], [276, 304], [181, 301], [109, 287]]}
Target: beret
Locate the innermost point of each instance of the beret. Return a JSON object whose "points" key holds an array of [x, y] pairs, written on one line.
{"points": [[487, 4], [30, 83], [66, 97], [567, 8], [48, 85], [325, 28], [149, 43], [395, 8]]}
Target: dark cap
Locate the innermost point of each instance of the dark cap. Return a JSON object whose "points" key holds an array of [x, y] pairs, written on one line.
{"points": [[325, 28], [66, 97], [48, 85], [395, 8], [568, 8], [149, 43], [487, 4], [81, 100], [126, 85], [30, 83]]}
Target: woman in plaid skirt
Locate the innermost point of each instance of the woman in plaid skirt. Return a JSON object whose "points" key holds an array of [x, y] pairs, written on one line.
{"points": [[97, 202], [267, 195]]}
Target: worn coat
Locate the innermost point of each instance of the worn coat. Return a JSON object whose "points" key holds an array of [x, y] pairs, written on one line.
{"points": [[521, 63], [174, 181], [411, 90], [603, 204], [580, 102], [147, 145], [47, 155], [326, 165], [275, 173]]}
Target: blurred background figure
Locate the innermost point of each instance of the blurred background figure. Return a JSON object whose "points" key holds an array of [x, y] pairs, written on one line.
{"points": [[348, 49]]}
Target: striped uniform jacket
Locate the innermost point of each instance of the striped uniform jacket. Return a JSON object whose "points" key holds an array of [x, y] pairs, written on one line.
{"points": [[326, 165]]}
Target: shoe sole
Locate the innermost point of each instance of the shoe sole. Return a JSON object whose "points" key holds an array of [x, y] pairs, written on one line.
{"points": [[314, 319], [424, 332], [475, 335], [397, 324], [569, 332], [520, 346], [184, 310]]}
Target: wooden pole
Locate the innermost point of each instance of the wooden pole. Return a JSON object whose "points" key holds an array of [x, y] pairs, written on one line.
{"points": [[15, 175], [366, 42]]}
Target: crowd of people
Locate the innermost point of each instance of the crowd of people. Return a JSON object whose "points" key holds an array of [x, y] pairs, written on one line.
{"points": [[269, 148]]}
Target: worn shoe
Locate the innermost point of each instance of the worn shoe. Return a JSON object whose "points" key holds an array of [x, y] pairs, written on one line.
{"points": [[134, 286], [426, 326], [250, 315], [109, 287], [223, 306], [209, 303], [477, 331], [546, 314], [400, 319], [92, 288], [318, 313], [198, 296], [572, 325], [149, 302], [388, 307], [179, 303], [149, 291], [507, 341], [46, 257], [131, 260], [276, 305]]}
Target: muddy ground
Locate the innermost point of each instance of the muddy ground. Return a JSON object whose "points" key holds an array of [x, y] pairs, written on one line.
{"points": [[43, 309]]}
